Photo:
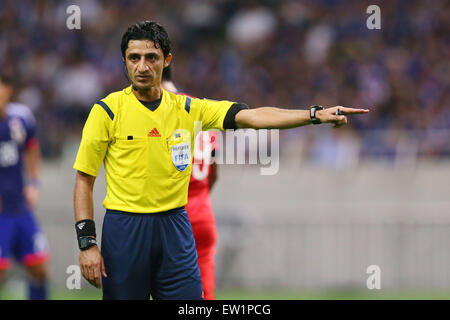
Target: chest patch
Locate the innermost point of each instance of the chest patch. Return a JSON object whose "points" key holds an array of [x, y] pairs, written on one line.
{"points": [[180, 148], [181, 155]]}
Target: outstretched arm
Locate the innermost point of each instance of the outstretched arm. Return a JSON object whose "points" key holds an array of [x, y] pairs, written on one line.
{"points": [[277, 118]]}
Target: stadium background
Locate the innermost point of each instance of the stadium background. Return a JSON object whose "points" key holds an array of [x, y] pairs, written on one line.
{"points": [[373, 193]]}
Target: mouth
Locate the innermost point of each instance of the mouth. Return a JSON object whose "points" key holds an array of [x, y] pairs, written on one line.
{"points": [[143, 77]]}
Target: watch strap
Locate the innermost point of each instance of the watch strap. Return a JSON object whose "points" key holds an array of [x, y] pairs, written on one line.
{"points": [[85, 243], [312, 114]]}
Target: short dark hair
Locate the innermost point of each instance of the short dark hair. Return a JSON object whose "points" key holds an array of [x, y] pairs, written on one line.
{"points": [[147, 30]]}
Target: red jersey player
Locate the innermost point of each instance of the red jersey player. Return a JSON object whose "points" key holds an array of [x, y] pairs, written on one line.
{"points": [[199, 209]]}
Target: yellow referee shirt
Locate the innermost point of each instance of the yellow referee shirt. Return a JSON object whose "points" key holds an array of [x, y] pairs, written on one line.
{"points": [[147, 154]]}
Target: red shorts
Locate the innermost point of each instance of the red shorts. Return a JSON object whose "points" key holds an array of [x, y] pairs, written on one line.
{"points": [[205, 235], [203, 224]]}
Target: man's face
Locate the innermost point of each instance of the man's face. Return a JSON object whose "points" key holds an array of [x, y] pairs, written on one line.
{"points": [[145, 63], [5, 95]]}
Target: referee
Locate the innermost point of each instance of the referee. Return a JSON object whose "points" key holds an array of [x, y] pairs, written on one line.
{"points": [[144, 136]]}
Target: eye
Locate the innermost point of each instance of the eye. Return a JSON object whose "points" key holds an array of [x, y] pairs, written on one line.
{"points": [[152, 57]]}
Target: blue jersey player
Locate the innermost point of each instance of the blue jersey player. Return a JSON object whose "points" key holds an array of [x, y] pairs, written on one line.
{"points": [[20, 234]]}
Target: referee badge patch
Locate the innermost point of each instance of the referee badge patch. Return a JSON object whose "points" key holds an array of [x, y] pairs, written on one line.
{"points": [[181, 155], [180, 147]]}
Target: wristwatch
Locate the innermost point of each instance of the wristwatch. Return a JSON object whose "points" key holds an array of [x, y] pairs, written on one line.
{"points": [[85, 243], [312, 114]]}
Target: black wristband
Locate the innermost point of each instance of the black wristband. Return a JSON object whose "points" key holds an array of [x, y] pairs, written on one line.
{"points": [[85, 228]]}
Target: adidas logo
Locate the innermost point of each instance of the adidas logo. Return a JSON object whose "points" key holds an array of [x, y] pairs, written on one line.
{"points": [[81, 225], [154, 133]]}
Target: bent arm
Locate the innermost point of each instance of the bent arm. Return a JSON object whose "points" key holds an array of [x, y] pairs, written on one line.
{"points": [[277, 118], [83, 196], [32, 160]]}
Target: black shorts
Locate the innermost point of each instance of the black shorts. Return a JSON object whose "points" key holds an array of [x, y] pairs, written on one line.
{"points": [[150, 255]]}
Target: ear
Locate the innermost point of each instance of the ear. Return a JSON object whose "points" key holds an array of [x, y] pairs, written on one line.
{"points": [[167, 60]]}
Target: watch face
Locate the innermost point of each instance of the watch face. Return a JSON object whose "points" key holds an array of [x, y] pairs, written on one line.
{"points": [[84, 242]]}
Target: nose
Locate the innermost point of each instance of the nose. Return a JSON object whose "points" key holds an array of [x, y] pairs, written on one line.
{"points": [[142, 66]]}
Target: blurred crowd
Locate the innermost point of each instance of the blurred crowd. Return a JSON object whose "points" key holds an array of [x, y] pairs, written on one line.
{"points": [[290, 53]]}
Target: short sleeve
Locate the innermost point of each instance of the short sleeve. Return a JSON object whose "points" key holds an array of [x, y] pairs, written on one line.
{"points": [[229, 121], [29, 122], [94, 141], [212, 113], [32, 139]]}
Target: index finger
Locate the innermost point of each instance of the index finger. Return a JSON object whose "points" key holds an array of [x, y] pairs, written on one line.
{"points": [[97, 277], [103, 270], [352, 110]]}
